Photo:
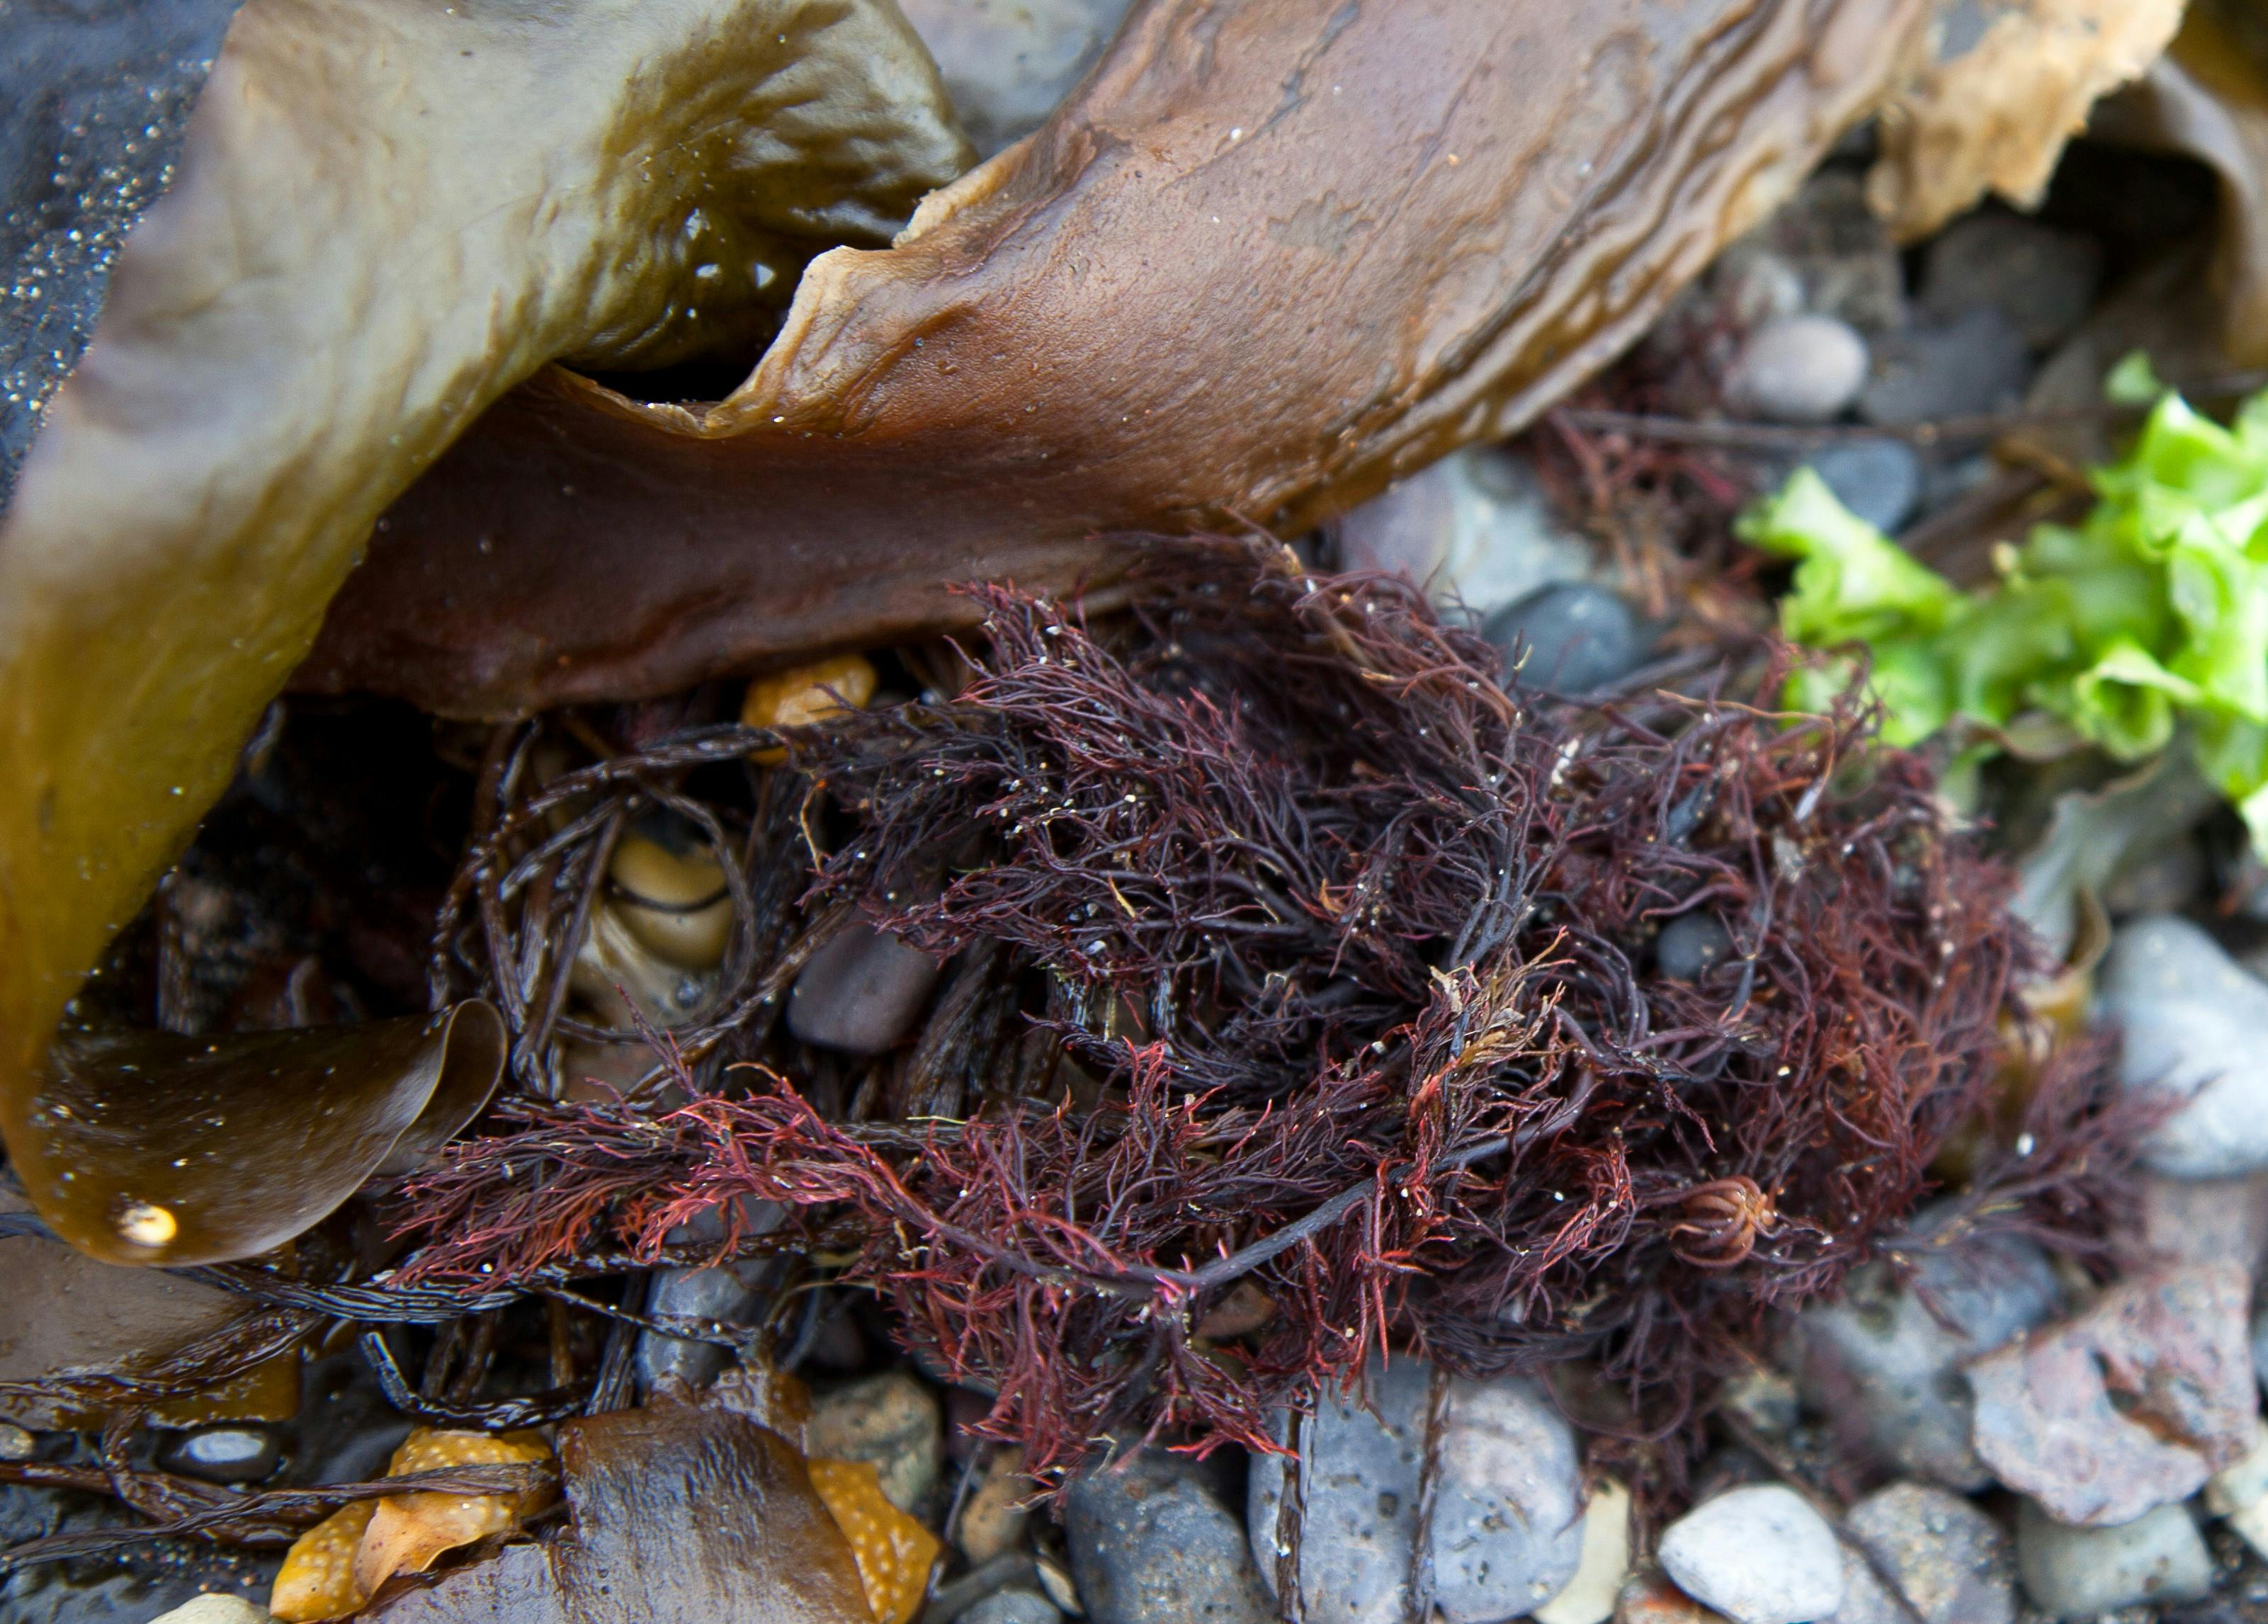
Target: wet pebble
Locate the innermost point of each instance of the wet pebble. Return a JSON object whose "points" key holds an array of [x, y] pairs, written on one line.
{"points": [[1798, 369], [1950, 1560], [1476, 529], [1151, 1545], [2239, 1492], [891, 1420], [1879, 480], [861, 993], [1975, 363], [1884, 1363], [1362, 1493], [1759, 1554], [992, 1521], [1571, 638], [1692, 945], [1507, 1527], [1507, 1530], [1012, 1606], [218, 1607], [2132, 1404], [2041, 277], [2079, 1572], [2190, 1020], [222, 1454], [724, 1293]]}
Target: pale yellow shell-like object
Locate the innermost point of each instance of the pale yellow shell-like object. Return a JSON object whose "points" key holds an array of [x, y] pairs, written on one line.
{"points": [[336, 1566], [808, 694], [317, 1579], [676, 904], [895, 1551]]}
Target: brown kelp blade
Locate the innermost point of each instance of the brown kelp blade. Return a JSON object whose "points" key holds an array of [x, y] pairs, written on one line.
{"points": [[387, 214], [682, 1515], [1263, 260], [151, 1147]]}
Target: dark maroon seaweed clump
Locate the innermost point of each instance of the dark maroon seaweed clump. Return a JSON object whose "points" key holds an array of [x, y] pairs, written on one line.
{"points": [[1348, 968]]}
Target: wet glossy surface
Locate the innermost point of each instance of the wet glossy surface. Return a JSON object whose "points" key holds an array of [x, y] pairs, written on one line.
{"points": [[153, 1147], [387, 214]]}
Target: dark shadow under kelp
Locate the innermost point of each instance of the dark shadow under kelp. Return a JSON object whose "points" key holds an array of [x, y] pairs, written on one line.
{"points": [[1342, 958]]}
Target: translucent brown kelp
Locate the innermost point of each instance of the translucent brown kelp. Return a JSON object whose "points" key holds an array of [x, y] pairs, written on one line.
{"points": [[386, 216], [157, 1148], [1362, 956], [2006, 86], [1265, 259], [2208, 98]]}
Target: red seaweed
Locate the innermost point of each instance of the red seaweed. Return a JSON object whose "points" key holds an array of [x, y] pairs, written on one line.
{"points": [[1354, 949]]}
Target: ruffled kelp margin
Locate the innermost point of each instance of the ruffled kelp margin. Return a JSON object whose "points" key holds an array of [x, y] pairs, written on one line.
{"points": [[1346, 962]]}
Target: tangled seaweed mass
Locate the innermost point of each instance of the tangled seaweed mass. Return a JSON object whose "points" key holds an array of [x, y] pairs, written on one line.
{"points": [[1345, 957]]}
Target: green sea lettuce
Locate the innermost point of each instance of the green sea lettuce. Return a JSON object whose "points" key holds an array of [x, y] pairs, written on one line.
{"points": [[2148, 618]]}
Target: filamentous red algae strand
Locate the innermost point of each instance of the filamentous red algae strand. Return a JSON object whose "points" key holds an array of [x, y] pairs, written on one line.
{"points": [[1342, 954]]}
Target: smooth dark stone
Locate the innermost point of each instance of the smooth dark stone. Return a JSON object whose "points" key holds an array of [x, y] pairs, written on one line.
{"points": [[1576, 637], [1151, 1545], [861, 993], [1975, 363], [1880, 481], [1692, 945], [237, 1454], [2043, 278]]}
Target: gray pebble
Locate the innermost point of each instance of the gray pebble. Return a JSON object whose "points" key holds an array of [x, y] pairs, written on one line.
{"points": [[1880, 481], [1692, 945], [1571, 638], [230, 1454], [861, 993], [1507, 1525], [1973, 363], [1759, 1554], [1477, 530], [724, 1293], [1949, 1559], [1886, 1370], [1361, 1502], [1150, 1545], [892, 1420], [1798, 369], [1012, 1606], [2260, 1341], [2042, 279], [1507, 1514], [1866, 1598], [2190, 1023], [2079, 1572]]}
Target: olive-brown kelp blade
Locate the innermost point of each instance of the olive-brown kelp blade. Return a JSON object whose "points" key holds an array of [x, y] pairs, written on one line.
{"points": [[1266, 258], [2208, 98], [157, 1147], [682, 1515], [387, 214]]}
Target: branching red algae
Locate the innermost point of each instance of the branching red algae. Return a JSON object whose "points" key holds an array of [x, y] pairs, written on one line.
{"points": [[1361, 947]]}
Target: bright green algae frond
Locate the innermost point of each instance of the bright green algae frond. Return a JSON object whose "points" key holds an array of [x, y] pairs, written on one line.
{"points": [[2150, 616]]}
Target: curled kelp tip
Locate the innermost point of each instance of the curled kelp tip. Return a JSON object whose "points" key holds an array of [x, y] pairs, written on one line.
{"points": [[152, 1147], [386, 216]]}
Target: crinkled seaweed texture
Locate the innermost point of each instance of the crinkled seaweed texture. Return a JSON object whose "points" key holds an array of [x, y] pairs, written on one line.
{"points": [[386, 216]]}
